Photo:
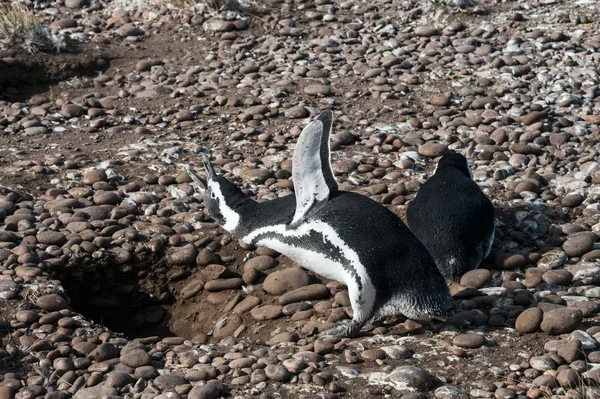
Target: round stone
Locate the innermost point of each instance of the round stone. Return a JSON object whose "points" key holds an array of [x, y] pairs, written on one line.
{"points": [[433, 150], [413, 378], [94, 176], [469, 340], [277, 373], [135, 358], [282, 281], [529, 320], [542, 363], [477, 278], [558, 277], [562, 320], [578, 245], [52, 302]]}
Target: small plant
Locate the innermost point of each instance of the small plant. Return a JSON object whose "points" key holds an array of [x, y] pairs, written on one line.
{"points": [[20, 28]]}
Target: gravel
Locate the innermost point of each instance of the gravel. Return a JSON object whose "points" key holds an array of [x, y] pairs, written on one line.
{"points": [[115, 283]]}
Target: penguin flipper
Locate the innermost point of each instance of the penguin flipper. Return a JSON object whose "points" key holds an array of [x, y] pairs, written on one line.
{"points": [[311, 167]]}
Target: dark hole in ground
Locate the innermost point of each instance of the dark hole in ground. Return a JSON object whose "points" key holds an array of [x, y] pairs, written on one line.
{"points": [[130, 298], [23, 75]]}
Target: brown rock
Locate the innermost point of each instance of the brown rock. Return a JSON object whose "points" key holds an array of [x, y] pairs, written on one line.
{"points": [[267, 312], [282, 281], [560, 321], [206, 257], [318, 90], [477, 278], [571, 351], [509, 261], [248, 303], [51, 302], [578, 245], [135, 358], [469, 340], [441, 101], [51, 238], [307, 293], [184, 255], [529, 320], [533, 117], [558, 277], [94, 176], [261, 263], [433, 150], [224, 284]]}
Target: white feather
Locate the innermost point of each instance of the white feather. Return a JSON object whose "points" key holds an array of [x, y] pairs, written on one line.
{"points": [[232, 219]]}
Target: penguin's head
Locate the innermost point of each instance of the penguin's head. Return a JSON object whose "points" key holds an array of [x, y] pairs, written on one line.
{"points": [[457, 161], [221, 197]]}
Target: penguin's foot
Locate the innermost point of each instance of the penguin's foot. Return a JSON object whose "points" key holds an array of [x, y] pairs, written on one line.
{"points": [[345, 329], [370, 326], [340, 331]]}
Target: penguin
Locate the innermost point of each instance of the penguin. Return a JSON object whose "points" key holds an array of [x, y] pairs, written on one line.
{"points": [[453, 217], [339, 235]]}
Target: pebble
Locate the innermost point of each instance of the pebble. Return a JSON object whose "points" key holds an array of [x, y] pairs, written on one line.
{"points": [[135, 358], [277, 373], [184, 255], [477, 278], [413, 378], [51, 302], [469, 340], [433, 150], [100, 391], [307, 293], [208, 391], [450, 392], [267, 312], [529, 320], [282, 281], [560, 321], [91, 214], [579, 245], [318, 90]]}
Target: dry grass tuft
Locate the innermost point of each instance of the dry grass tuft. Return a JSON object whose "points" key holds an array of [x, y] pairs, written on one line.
{"points": [[20, 28]]}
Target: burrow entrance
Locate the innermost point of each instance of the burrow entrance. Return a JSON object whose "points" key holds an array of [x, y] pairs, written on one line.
{"points": [[131, 298], [151, 297]]}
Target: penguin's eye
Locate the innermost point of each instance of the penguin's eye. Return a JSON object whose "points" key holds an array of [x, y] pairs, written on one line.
{"points": [[213, 196]]}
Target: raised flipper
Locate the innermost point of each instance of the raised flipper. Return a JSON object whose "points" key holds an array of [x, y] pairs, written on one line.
{"points": [[311, 168]]}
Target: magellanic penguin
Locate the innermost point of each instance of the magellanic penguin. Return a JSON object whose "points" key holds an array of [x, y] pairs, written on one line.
{"points": [[340, 235], [453, 218]]}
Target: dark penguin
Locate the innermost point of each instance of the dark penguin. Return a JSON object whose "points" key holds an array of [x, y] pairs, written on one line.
{"points": [[340, 235], [453, 218]]}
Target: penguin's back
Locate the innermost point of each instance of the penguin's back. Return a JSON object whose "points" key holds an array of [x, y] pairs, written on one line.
{"points": [[355, 240], [390, 253], [452, 216], [395, 260]]}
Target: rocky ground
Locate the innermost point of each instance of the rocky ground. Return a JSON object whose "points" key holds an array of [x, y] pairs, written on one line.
{"points": [[115, 283]]}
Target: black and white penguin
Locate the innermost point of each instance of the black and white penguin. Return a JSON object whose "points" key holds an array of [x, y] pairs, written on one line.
{"points": [[340, 235], [453, 217]]}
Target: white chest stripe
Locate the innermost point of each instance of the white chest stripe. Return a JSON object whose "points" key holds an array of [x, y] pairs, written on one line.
{"points": [[232, 219], [362, 301]]}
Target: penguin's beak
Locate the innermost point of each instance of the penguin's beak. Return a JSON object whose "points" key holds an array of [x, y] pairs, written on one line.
{"points": [[196, 179], [206, 162], [205, 153]]}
